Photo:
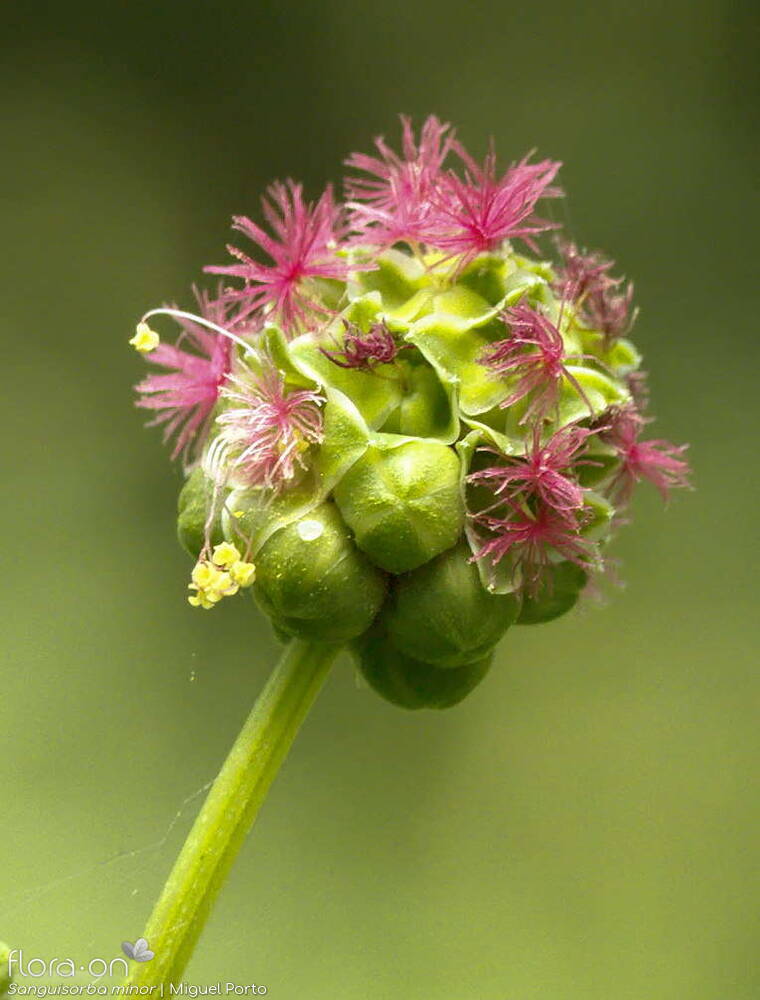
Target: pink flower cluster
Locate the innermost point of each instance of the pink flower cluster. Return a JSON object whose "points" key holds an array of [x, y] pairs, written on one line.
{"points": [[538, 513], [412, 198], [538, 506], [604, 303], [533, 356], [657, 460], [266, 430]]}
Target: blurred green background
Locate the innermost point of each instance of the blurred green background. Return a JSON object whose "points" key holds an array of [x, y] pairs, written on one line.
{"points": [[585, 826]]}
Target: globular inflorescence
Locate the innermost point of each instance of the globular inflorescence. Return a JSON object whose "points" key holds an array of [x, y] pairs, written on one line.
{"points": [[403, 425]]}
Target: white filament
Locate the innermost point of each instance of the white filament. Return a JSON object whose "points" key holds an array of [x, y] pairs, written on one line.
{"points": [[181, 314]]}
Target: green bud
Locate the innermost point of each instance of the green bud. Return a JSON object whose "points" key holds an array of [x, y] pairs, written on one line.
{"points": [[314, 583], [557, 596], [195, 500], [5, 975], [403, 502], [441, 613], [409, 683]]}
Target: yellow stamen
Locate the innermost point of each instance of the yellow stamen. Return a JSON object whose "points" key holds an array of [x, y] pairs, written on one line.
{"points": [[243, 573], [204, 575], [211, 583], [225, 555], [145, 339]]}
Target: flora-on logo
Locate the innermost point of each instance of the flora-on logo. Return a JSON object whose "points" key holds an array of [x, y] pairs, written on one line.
{"points": [[139, 951]]}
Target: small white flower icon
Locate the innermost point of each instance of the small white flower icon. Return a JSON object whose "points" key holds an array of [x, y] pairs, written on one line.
{"points": [[139, 951]]}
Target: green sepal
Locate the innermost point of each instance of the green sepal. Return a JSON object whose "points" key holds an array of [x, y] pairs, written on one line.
{"points": [[330, 292], [461, 302], [402, 500], [620, 357], [428, 404], [395, 275], [441, 613], [600, 460], [556, 597], [541, 268], [499, 578], [275, 346], [375, 394], [409, 683], [487, 436], [486, 276], [314, 583], [455, 346], [599, 513], [193, 508], [522, 283]]}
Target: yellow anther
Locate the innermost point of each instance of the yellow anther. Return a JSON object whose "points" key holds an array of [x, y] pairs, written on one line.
{"points": [[200, 600], [212, 583], [145, 339], [204, 575], [243, 573], [238, 513], [225, 555], [223, 586]]}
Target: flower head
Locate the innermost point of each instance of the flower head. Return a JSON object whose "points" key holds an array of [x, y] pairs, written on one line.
{"points": [[184, 398], [657, 460], [545, 473], [267, 429], [533, 540], [534, 356], [410, 467], [302, 247], [394, 202], [477, 213], [364, 351]]}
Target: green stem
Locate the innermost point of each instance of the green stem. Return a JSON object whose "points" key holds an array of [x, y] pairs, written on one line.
{"points": [[230, 811]]}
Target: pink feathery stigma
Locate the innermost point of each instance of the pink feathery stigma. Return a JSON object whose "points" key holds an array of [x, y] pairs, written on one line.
{"points": [[582, 272], [584, 279], [638, 386], [610, 311], [302, 247], [534, 356], [531, 540], [395, 201], [657, 460], [478, 213], [184, 398], [364, 351], [267, 433], [545, 473]]}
